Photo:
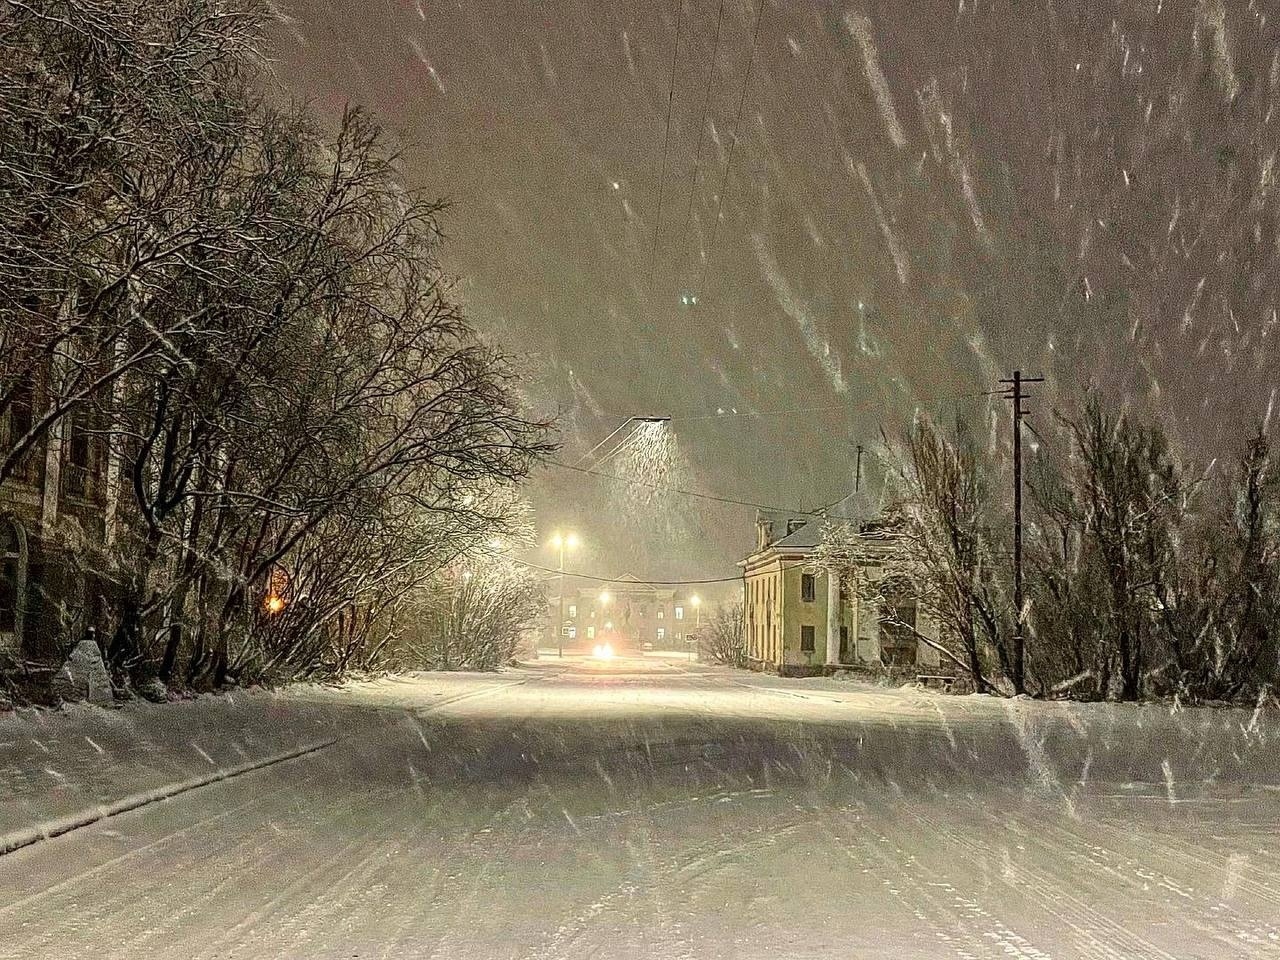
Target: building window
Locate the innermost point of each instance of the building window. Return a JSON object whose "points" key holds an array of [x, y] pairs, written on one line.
{"points": [[564, 632], [806, 639], [591, 633], [662, 633], [844, 643], [13, 576], [573, 611], [660, 613], [897, 631], [807, 586], [679, 613], [573, 633], [21, 418]]}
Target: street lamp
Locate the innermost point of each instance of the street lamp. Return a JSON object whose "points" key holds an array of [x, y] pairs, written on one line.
{"points": [[613, 433], [568, 541]]}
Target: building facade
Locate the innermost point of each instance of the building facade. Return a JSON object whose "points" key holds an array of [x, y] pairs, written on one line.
{"points": [[54, 523], [631, 615], [799, 620]]}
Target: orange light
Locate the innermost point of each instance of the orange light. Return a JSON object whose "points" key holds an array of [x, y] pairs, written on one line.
{"points": [[274, 603]]}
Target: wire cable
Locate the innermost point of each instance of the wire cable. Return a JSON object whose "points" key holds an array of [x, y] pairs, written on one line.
{"points": [[748, 414], [737, 128], [586, 456], [652, 583], [666, 141], [702, 129], [682, 492]]}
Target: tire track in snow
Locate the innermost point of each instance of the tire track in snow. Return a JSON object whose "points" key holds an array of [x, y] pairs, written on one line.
{"points": [[72, 906], [322, 861], [947, 918], [648, 873], [1054, 898], [1219, 921]]}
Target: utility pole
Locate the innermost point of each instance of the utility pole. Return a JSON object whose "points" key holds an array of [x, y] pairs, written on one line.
{"points": [[568, 541], [1017, 395], [857, 471], [560, 621]]}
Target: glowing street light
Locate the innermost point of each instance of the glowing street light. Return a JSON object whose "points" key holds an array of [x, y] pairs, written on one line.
{"points": [[273, 604]]}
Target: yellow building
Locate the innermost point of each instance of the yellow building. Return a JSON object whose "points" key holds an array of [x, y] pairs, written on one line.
{"points": [[798, 620]]}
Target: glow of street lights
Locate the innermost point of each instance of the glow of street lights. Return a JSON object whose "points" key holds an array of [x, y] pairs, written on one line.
{"points": [[604, 597], [567, 541], [695, 600]]}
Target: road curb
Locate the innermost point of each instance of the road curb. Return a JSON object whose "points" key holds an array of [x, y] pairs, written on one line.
{"points": [[25, 837]]}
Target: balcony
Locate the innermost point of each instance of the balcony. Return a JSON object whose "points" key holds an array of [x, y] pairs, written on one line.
{"points": [[78, 482]]}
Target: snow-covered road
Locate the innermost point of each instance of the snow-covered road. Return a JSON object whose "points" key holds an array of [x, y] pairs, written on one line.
{"points": [[650, 809]]}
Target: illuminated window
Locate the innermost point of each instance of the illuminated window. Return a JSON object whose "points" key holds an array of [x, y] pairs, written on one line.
{"points": [[806, 639], [679, 613], [660, 613], [573, 632], [662, 633], [573, 610], [591, 633]]}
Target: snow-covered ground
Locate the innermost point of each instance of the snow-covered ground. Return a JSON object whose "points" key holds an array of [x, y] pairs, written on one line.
{"points": [[644, 808]]}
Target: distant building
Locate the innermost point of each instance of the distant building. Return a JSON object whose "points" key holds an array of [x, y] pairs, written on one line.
{"points": [[798, 620], [628, 613], [54, 522]]}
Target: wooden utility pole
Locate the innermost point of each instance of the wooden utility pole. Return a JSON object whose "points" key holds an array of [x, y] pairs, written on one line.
{"points": [[1017, 396]]}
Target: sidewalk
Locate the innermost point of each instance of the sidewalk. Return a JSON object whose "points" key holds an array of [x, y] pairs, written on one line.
{"points": [[63, 768], [59, 765]]}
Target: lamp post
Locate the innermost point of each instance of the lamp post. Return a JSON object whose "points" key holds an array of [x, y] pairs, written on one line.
{"points": [[697, 623], [568, 541]]}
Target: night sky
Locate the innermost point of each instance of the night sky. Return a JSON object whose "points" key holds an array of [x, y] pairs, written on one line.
{"points": [[922, 196]]}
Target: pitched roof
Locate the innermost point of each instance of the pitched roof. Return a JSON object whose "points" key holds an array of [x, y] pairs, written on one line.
{"points": [[806, 537], [809, 534]]}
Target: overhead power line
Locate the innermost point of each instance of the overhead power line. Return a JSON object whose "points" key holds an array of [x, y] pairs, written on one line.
{"points": [[666, 140], [702, 128], [689, 493], [747, 414], [643, 580], [737, 129]]}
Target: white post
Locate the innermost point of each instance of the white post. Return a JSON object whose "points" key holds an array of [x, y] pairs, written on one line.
{"points": [[833, 619]]}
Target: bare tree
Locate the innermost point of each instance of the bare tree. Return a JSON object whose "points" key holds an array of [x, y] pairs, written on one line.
{"points": [[935, 544], [305, 428], [723, 638], [474, 615]]}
